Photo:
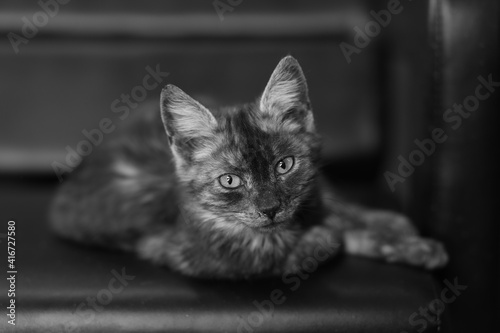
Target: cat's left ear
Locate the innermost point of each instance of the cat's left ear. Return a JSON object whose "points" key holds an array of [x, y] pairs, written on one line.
{"points": [[286, 96]]}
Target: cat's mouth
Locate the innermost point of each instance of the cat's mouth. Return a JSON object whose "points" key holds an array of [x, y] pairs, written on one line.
{"points": [[271, 227]]}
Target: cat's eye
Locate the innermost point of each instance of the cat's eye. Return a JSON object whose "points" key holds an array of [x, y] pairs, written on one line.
{"points": [[285, 165], [230, 181]]}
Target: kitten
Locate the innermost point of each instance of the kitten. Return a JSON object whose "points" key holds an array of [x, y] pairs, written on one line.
{"points": [[229, 193]]}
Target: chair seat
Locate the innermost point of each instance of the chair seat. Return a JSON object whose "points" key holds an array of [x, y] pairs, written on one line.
{"points": [[65, 287]]}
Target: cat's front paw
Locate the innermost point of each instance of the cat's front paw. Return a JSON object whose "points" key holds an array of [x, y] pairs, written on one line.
{"points": [[416, 251], [316, 246]]}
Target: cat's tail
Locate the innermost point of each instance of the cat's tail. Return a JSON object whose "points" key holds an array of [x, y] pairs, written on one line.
{"points": [[71, 217], [98, 205], [88, 209]]}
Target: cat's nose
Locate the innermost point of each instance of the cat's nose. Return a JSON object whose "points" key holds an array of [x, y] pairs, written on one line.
{"points": [[268, 203], [270, 209], [271, 212]]}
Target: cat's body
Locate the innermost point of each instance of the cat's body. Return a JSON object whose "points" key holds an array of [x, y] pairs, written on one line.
{"points": [[236, 195]]}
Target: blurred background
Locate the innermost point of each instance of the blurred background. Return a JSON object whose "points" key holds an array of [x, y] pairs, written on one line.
{"points": [[66, 65]]}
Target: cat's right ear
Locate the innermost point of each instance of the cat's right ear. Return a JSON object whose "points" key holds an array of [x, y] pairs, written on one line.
{"points": [[186, 121]]}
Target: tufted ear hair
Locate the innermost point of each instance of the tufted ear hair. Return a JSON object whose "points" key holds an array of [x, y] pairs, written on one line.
{"points": [[186, 121], [286, 96]]}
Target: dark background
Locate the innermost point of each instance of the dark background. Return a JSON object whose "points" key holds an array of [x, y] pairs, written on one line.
{"points": [[369, 111]]}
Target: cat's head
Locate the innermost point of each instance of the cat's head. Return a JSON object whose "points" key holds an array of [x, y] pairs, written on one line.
{"points": [[249, 166]]}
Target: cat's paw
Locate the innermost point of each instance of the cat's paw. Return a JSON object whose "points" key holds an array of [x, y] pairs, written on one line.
{"points": [[160, 249], [416, 251], [319, 244]]}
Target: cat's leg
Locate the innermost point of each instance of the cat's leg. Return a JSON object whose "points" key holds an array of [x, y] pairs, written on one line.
{"points": [[317, 245], [167, 247], [392, 237], [176, 248]]}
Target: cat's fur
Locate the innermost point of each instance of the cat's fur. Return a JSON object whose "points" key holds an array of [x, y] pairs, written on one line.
{"points": [[155, 190]]}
